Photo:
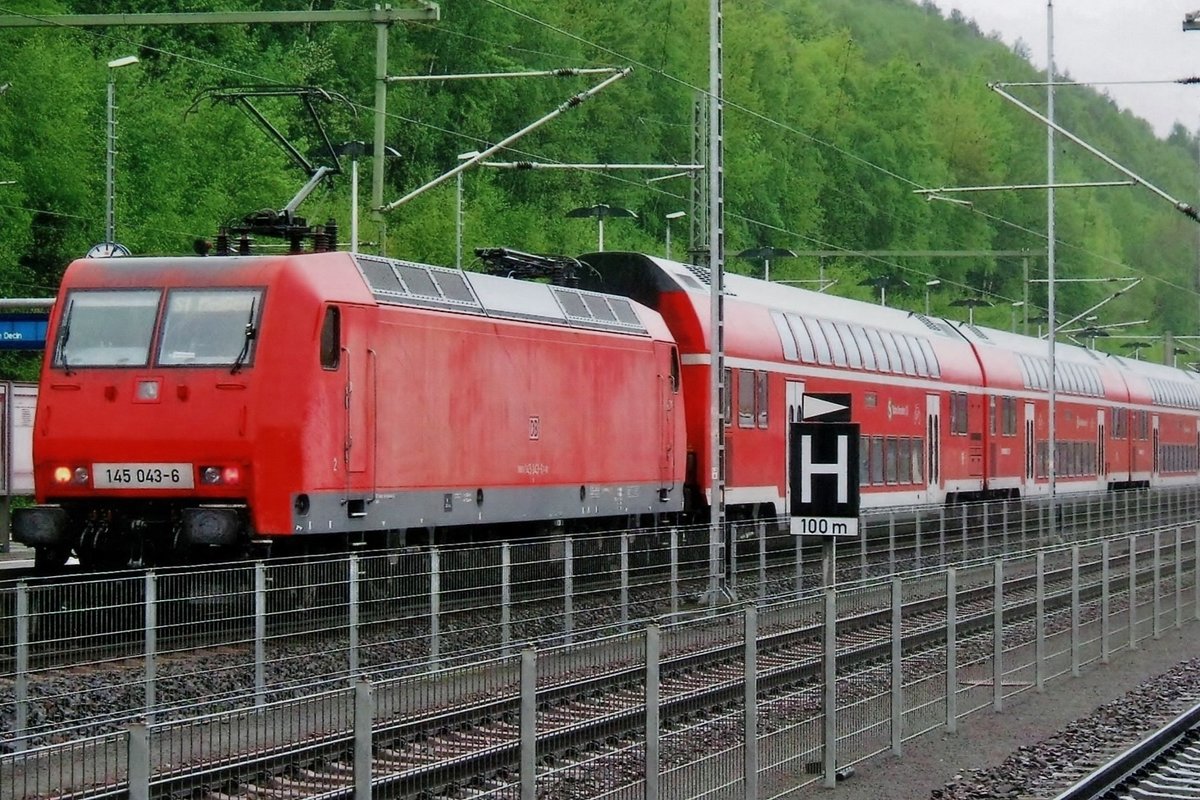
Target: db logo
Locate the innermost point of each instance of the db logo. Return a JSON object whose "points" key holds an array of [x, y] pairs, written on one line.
{"points": [[535, 428]]}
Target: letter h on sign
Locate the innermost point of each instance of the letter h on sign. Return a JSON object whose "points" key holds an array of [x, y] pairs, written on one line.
{"points": [[824, 473]]}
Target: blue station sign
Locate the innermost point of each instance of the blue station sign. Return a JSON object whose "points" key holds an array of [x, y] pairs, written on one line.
{"points": [[24, 330]]}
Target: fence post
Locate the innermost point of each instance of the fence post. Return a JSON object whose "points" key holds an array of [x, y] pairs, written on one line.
{"points": [[983, 507], [435, 605], [505, 599], [1105, 600], [1178, 577], [260, 634], [1040, 624], [569, 585], [917, 545], [942, 534], [750, 703], [762, 559], [364, 721], [1004, 526], [21, 723], [1133, 593], [998, 635], [624, 581], [528, 723], [352, 614], [897, 667], [966, 525], [1157, 586], [862, 552], [951, 651], [799, 564], [138, 755], [674, 573], [653, 654], [829, 696], [151, 623], [1196, 570], [1075, 610], [891, 542]]}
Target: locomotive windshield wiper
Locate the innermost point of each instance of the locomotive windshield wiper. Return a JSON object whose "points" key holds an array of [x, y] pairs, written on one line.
{"points": [[64, 337], [250, 334]]}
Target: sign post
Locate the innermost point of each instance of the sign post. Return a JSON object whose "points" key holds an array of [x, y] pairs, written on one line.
{"points": [[824, 469]]}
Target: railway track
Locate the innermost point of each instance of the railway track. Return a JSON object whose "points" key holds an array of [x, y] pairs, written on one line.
{"points": [[1165, 764]]}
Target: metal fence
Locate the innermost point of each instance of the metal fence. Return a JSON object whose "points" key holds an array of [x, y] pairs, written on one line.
{"points": [[749, 702], [83, 658]]}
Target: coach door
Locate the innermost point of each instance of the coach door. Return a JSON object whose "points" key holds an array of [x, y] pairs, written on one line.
{"points": [[1157, 464], [1101, 449], [933, 447], [669, 390], [1030, 449], [795, 398], [359, 401]]}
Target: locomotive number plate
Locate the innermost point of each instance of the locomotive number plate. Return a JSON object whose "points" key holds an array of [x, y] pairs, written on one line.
{"points": [[142, 476]]}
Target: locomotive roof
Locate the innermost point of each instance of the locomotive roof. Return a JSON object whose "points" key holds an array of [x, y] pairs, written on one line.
{"points": [[399, 282]]}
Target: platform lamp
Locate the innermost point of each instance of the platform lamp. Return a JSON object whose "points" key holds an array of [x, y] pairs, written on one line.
{"points": [[971, 303], [1137, 347], [883, 283], [110, 150], [669, 217], [1015, 306], [929, 285], [765, 254], [601, 211]]}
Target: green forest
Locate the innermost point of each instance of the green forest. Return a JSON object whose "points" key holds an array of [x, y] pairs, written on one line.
{"points": [[836, 111]]}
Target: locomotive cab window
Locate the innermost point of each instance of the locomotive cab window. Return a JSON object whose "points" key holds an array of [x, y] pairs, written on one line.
{"points": [[331, 343], [106, 328], [210, 327]]}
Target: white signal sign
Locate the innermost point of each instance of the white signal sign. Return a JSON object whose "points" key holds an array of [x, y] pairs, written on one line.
{"points": [[824, 474]]}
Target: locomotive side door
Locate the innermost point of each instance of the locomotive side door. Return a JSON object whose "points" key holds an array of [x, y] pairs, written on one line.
{"points": [[359, 397], [795, 397], [933, 446]]}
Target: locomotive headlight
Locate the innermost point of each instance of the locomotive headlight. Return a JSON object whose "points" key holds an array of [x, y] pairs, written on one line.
{"points": [[66, 475], [221, 476]]}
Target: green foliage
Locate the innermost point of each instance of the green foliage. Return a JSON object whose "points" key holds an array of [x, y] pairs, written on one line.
{"points": [[835, 112]]}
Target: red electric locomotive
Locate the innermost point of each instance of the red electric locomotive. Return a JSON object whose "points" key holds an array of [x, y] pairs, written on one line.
{"points": [[211, 402]]}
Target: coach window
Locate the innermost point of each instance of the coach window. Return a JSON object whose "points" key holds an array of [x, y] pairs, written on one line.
{"points": [[876, 460], [331, 338], [992, 415], [785, 337], [935, 369], [904, 460], [889, 345], [745, 398], [808, 353], [848, 341], [760, 397], [675, 370], [864, 346], [914, 346], [818, 339], [918, 460], [864, 463], [881, 355], [835, 343], [891, 468]]}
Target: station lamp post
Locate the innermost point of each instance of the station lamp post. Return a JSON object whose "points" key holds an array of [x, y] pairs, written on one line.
{"points": [[669, 217], [110, 150], [765, 254], [928, 287], [1015, 306], [601, 211]]}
